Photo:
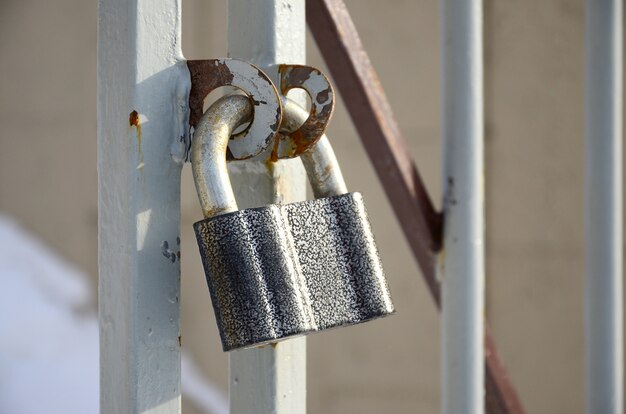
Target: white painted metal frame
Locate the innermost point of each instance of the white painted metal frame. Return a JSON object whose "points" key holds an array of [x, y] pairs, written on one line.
{"points": [[271, 379], [603, 207], [462, 268], [143, 88], [142, 104]]}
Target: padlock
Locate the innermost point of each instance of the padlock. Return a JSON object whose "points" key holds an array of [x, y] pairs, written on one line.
{"points": [[282, 270], [335, 244]]}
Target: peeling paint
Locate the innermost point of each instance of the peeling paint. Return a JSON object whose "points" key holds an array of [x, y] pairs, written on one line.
{"points": [[208, 75], [167, 252], [296, 139]]}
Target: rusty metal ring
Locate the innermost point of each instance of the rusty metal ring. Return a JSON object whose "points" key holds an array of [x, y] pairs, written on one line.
{"points": [[208, 75], [291, 143]]}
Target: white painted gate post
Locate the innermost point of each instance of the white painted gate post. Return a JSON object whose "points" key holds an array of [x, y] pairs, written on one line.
{"points": [[603, 208], [142, 101], [271, 379], [462, 260]]}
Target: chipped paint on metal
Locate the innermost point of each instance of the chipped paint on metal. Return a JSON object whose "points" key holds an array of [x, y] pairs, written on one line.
{"points": [[167, 252], [182, 133], [298, 138], [208, 75]]}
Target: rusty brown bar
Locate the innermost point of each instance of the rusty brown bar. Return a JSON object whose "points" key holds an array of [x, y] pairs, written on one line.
{"points": [[356, 80]]}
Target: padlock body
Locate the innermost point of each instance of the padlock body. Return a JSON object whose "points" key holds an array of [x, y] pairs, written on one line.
{"points": [[284, 270], [339, 260], [250, 263]]}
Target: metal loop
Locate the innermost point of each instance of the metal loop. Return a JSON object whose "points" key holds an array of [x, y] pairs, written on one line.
{"points": [[208, 75], [294, 140], [208, 155]]}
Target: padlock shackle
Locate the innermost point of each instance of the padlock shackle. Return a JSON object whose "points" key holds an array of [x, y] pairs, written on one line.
{"points": [[209, 146], [319, 162], [208, 153]]}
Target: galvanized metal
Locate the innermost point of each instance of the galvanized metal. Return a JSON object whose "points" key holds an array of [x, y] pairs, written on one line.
{"points": [[282, 270], [208, 75], [297, 140], [604, 307]]}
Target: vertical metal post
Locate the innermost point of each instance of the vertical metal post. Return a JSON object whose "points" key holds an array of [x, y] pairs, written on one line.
{"points": [[462, 258], [603, 207], [142, 101], [271, 379]]}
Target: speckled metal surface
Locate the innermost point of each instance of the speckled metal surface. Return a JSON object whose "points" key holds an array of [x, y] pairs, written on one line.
{"points": [[284, 270]]}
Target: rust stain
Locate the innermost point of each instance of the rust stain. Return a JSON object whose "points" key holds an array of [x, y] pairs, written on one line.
{"points": [[300, 142], [274, 344], [328, 170], [269, 163], [283, 71], [133, 120], [206, 76], [213, 212]]}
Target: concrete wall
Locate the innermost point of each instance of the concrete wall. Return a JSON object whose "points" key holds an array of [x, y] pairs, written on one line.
{"points": [[534, 142]]}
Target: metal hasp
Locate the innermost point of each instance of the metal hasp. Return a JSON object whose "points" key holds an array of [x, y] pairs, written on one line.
{"points": [[282, 270], [295, 141], [604, 338], [208, 75]]}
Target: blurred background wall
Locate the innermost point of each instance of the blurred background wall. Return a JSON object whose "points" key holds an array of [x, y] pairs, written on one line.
{"points": [[534, 186]]}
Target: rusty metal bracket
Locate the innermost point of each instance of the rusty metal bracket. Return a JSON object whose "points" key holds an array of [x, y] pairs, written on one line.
{"points": [[208, 75], [293, 138]]}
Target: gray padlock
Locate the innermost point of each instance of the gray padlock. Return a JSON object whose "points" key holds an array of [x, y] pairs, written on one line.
{"points": [[282, 270]]}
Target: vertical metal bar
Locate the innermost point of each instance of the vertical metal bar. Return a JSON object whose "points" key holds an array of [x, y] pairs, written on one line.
{"points": [[462, 258], [271, 379], [603, 207], [142, 100]]}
